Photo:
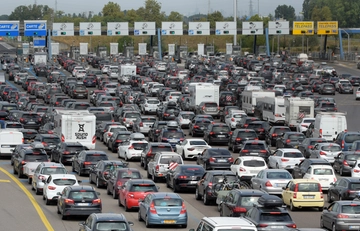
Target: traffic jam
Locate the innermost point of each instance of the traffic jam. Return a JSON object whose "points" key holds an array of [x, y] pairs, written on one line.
{"points": [[254, 138]]}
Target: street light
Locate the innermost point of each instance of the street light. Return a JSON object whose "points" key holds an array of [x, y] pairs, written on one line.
{"points": [[348, 35]]}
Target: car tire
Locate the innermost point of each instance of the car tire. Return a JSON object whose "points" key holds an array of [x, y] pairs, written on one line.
{"points": [[139, 216], [328, 197], [20, 175], [333, 227], [47, 201], [14, 170], [97, 183], [205, 200], [320, 209], [341, 171], [183, 155], [292, 207], [147, 224], [175, 188], [114, 195], [126, 207], [108, 192], [63, 217], [29, 180], [90, 181], [72, 167], [148, 175], [154, 178], [37, 191], [197, 195], [183, 226], [58, 210], [145, 165]]}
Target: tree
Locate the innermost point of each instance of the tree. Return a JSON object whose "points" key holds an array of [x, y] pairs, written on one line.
{"points": [[321, 14], [111, 10], [152, 12], [285, 12], [215, 17], [131, 16], [175, 17]]}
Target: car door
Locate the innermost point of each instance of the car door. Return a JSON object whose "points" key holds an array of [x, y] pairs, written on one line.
{"points": [[229, 204], [256, 181], [273, 159], [180, 147], [235, 166], [201, 183], [123, 191], [287, 192], [314, 152], [330, 214], [143, 205], [36, 174]]}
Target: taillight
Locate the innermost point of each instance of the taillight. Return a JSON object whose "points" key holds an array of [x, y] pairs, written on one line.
{"points": [[157, 168], [152, 208], [288, 141], [62, 138], [268, 184], [87, 163], [182, 177], [241, 169], [45, 144], [212, 159], [239, 210], [51, 187], [41, 178], [262, 225], [310, 147], [342, 144], [320, 133], [284, 160], [23, 162], [66, 152], [345, 163], [340, 215], [322, 153], [232, 119], [149, 153], [238, 139], [291, 226], [245, 151], [131, 147], [274, 134], [212, 133], [141, 124], [96, 201], [69, 201]]}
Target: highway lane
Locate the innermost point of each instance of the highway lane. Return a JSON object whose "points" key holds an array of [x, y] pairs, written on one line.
{"points": [[196, 210]]}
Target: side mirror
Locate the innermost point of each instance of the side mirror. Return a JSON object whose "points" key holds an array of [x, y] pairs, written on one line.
{"points": [[325, 208], [98, 193], [44, 181], [334, 139], [81, 223], [79, 181], [59, 193], [130, 223]]}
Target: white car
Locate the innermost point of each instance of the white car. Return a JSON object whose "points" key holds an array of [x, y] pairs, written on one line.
{"points": [[77, 68], [105, 69], [150, 106], [155, 88], [285, 158], [355, 171], [341, 81], [43, 171], [327, 151], [131, 149], [20, 76], [183, 74], [191, 148], [55, 184], [112, 128], [111, 88], [233, 118], [325, 174], [246, 167], [80, 74], [173, 96], [149, 86], [304, 124], [184, 118], [161, 66], [357, 94]]}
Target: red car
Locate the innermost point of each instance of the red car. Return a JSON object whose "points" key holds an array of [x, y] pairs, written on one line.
{"points": [[119, 177], [134, 190]]}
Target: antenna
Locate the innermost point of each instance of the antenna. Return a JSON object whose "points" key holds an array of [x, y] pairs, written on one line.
{"points": [[55, 7], [251, 10], [209, 7], [35, 2]]}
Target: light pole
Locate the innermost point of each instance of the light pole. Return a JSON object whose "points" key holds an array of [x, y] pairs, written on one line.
{"points": [[90, 14], [348, 43], [235, 20]]}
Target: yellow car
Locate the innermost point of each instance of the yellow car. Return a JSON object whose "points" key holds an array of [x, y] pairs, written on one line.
{"points": [[301, 193]]}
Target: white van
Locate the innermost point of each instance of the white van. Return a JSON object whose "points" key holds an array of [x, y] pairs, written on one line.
{"points": [[9, 139], [328, 124]]}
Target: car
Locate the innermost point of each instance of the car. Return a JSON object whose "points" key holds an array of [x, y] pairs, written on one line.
{"points": [[162, 163], [300, 169], [217, 133], [105, 221], [234, 117], [355, 171], [327, 89], [184, 118], [346, 88], [260, 127], [246, 167], [268, 214], [215, 158], [204, 189], [155, 129], [138, 188], [224, 223], [346, 138], [150, 106], [143, 124], [110, 131], [244, 121], [64, 152], [184, 176], [149, 152], [116, 139], [198, 127], [308, 143], [28, 155], [327, 151], [162, 208], [325, 174], [340, 215], [29, 120], [285, 158], [237, 202], [78, 200], [191, 148], [208, 108], [42, 172], [239, 136], [255, 148], [29, 135], [303, 193], [16, 151], [173, 136], [48, 140], [118, 176], [304, 124], [83, 162], [290, 140], [55, 184], [99, 173], [345, 188], [344, 162], [131, 149], [275, 131], [271, 180]]}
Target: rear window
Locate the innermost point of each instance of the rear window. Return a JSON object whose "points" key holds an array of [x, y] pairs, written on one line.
{"points": [[210, 105], [278, 175], [252, 126], [219, 152], [355, 186], [257, 146], [143, 188], [132, 115], [173, 135], [350, 138], [153, 101], [81, 106], [111, 225], [35, 158], [79, 195], [129, 174], [95, 157], [53, 140], [309, 187], [53, 170], [155, 149], [296, 137], [9, 107], [55, 90], [350, 209], [281, 130], [221, 129], [168, 202], [108, 104], [251, 134], [352, 157], [103, 116], [139, 146], [248, 201], [64, 181], [122, 136], [282, 217], [198, 142], [293, 154], [187, 116], [320, 171], [331, 148], [75, 148], [254, 163], [316, 141], [170, 159], [220, 178], [328, 105], [14, 125]]}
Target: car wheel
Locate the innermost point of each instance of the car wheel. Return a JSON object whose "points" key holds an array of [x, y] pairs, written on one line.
{"points": [[58, 210], [114, 194], [320, 209], [328, 197], [52, 158], [205, 166], [148, 175], [14, 170], [277, 166], [90, 181], [98, 183], [183, 226], [341, 171], [47, 201], [205, 199], [333, 227], [183, 155], [126, 207], [139, 216], [29, 180], [175, 187], [221, 212], [197, 195], [292, 207], [63, 217], [147, 224], [72, 167], [321, 222], [154, 178], [37, 191], [20, 175]]}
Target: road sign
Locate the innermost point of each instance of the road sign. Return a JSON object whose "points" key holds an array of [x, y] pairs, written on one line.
{"points": [[172, 28], [229, 48], [90, 28], [201, 50], [35, 28], [117, 28], [199, 28], [142, 48], [83, 48], [171, 49], [63, 29], [144, 28], [279, 27], [252, 28], [225, 28], [39, 42], [114, 48], [303, 28], [9, 28], [327, 27]]}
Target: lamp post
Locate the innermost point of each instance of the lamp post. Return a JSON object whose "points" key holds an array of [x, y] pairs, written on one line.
{"points": [[235, 20], [90, 14]]}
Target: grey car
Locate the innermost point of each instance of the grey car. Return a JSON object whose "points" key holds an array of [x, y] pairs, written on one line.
{"points": [[271, 180], [327, 151], [143, 124], [308, 144], [208, 108]]}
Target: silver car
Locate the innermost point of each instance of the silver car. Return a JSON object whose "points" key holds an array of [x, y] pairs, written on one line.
{"points": [[271, 181], [184, 118], [42, 172], [143, 124], [111, 88], [162, 163], [327, 151], [150, 106]]}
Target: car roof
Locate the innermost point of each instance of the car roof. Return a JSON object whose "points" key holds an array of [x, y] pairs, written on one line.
{"points": [[166, 194], [58, 176], [82, 187], [250, 158], [140, 181], [50, 164], [227, 221], [352, 179], [296, 181], [289, 150], [109, 217]]}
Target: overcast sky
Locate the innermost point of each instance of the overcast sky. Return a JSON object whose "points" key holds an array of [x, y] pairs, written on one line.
{"points": [[185, 7]]}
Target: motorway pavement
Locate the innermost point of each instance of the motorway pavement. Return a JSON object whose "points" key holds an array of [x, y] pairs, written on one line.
{"points": [[17, 212]]}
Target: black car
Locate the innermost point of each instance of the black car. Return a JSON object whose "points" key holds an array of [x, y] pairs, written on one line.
{"points": [[300, 169], [29, 135], [151, 149], [118, 176], [215, 158], [47, 128], [16, 151], [308, 143], [275, 131], [102, 127], [245, 121], [345, 162], [345, 188], [28, 155], [105, 221], [99, 173], [78, 200], [48, 140], [239, 136], [290, 140], [255, 148], [116, 139], [197, 127], [260, 127], [205, 188], [237, 202], [155, 129], [30, 120], [217, 133], [184, 177], [64, 152], [85, 160]]}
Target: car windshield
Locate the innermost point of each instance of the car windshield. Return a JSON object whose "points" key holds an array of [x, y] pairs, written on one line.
{"points": [[321, 171], [130, 175], [64, 181], [293, 154], [143, 188], [249, 200], [350, 209], [331, 148], [53, 170], [308, 187], [254, 163], [35, 158], [111, 225], [168, 202], [95, 157], [278, 175], [197, 142], [170, 159], [272, 217], [352, 137]]}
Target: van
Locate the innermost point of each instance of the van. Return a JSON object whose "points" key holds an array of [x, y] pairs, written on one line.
{"points": [[328, 125], [9, 139], [225, 223], [345, 139], [2, 77]]}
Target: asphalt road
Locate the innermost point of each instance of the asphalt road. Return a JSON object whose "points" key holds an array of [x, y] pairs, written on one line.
{"points": [[17, 211]]}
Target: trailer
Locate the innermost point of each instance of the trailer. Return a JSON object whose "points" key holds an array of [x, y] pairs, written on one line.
{"points": [[298, 108], [29, 170]]}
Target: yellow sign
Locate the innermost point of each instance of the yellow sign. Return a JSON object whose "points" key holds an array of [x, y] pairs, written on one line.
{"points": [[327, 27], [303, 28]]}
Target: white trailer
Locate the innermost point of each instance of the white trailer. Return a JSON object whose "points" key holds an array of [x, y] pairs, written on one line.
{"points": [[296, 109], [203, 92], [249, 99], [126, 71], [76, 126], [273, 109], [29, 170]]}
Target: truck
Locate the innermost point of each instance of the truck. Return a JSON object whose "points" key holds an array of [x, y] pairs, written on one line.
{"points": [[249, 99], [9, 139], [125, 73], [202, 92], [76, 126], [40, 57], [328, 125], [297, 108]]}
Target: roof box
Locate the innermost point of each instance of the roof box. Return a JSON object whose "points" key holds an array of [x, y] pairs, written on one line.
{"points": [[270, 201]]}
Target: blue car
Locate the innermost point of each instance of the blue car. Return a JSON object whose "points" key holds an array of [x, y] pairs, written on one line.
{"points": [[173, 136], [89, 81], [161, 208]]}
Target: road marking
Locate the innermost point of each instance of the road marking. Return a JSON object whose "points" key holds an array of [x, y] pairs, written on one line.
{"points": [[4, 181], [32, 199]]}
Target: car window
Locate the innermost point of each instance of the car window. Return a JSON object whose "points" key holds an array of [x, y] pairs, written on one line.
{"points": [[308, 187], [64, 181], [52, 170], [170, 159], [293, 154], [198, 142], [351, 209], [79, 195], [220, 178], [173, 134], [254, 163], [111, 225], [168, 202], [332, 148], [130, 175], [143, 188], [355, 186], [351, 138], [249, 200], [161, 149], [35, 158], [319, 171], [278, 175], [352, 157], [221, 129], [95, 157]]}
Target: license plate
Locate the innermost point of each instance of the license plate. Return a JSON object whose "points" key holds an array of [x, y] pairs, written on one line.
{"points": [[253, 153], [199, 149], [253, 171], [211, 109], [221, 135], [324, 179], [308, 197], [169, 221], [221, 160], [280, 185], [83, 204], [31, 123], [277, 227], [80, 94], [192, 182], [354, 227]]}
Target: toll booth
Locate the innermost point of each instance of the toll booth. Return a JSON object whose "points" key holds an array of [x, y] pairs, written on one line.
{"points": [[129, 52], [182, 51], [102, 51], [210, 50], [237, 50]]}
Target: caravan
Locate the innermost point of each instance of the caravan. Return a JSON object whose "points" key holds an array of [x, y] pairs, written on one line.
{"points": [[249, 99], [296, 109], [202, 92], [76, 126], [273, 109]]}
